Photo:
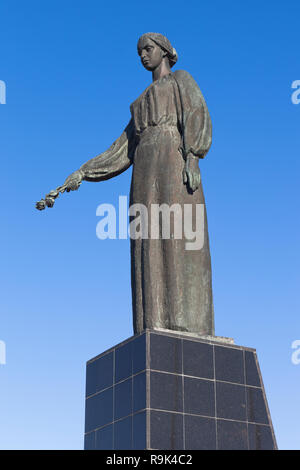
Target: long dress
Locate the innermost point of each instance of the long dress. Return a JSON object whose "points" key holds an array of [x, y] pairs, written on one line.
{"points": [[171, 285]]}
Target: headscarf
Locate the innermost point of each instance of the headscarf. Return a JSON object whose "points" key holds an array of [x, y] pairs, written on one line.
{"points": [[164, 43]]}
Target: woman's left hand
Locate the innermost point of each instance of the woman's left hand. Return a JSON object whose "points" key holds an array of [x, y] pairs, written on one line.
{"points": [[191, 173]]}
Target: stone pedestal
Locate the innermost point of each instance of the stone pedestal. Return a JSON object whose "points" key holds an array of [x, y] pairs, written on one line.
{"points": [[165, 390]]}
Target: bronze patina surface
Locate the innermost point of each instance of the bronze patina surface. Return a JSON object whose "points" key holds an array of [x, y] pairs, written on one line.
{"points": [[169, 131]]}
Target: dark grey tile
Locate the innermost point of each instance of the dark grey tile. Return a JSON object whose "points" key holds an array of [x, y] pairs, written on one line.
{"points": [[123, 434], [198, 359], [256, 406], [166, 430], [231, 401], [199, 396], [165, 353], [99, 410], [166, 391], [123, 399], [260, 437], [139, 354], [139, 391], [89, 441], [104, 438], [200, 433], [139, 431], [229, 364], [123, 362], [252, 375], [99, 374], [231, 435]]}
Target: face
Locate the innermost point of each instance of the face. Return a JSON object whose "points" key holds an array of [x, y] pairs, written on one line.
{"points": [[150, 53]]}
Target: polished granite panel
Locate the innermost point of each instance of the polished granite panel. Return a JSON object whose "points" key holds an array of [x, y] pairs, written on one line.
{"points": [[99, 374], [89, 441], [199, 396], [139, 431], [231, 435], [251, 369], [139, 354], [123, 434], [139, 392], [260, 437], [165, 355], [231, 401], [256, 407], [99, 410], [105, 438], [166, 430], [200, 433], [229, 365], [198, 359], [166, 392], [123, 399], [123, 362], [162, 390]]}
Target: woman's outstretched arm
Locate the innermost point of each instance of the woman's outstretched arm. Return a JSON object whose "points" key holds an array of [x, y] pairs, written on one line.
{"points": [[108, 164], [113, 161]]}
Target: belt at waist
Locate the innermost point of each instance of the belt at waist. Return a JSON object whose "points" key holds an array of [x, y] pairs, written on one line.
{"points": [[157, 128]]}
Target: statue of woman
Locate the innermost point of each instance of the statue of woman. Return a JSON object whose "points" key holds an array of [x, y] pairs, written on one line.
{"points": [[169, 131]]}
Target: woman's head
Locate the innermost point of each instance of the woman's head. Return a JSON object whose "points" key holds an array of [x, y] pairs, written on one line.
{"points": [[153, 48]]}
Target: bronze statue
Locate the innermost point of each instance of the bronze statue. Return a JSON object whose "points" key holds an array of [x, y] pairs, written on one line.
{"points": [[169, 131]]}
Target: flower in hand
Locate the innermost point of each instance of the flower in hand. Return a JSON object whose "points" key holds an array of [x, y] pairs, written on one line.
{"points": [[41, 205], [71, 184]]}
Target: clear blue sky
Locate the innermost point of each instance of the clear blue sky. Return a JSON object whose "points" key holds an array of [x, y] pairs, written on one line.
{"points": [[71, 71]]}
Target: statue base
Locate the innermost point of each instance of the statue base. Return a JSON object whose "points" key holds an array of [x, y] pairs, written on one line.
{"points": [[170, 390]]}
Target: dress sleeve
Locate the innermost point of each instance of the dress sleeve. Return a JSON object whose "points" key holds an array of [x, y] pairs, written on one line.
{"points": [[196, 125], [113, 161]]}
